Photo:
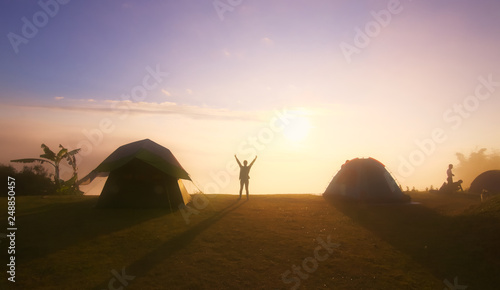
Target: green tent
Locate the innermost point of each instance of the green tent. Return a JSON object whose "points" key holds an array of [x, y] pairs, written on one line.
{"points": [[141, 174], [365, 180]]}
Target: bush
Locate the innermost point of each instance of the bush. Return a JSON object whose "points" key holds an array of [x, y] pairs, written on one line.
{"points": [[31, 180]]}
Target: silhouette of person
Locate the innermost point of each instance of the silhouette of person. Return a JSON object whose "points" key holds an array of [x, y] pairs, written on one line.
{"points": [[450, 174], [244, 171]]}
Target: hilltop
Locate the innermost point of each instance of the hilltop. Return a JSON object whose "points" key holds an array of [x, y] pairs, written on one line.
{"points": [[269, 242]]}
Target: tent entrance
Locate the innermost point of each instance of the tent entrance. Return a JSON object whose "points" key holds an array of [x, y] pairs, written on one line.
{"points": [[140, 185]]}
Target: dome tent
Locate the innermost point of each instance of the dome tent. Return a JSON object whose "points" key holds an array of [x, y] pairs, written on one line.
{"points": [[141, 174], [365, 180], [488, 181]]}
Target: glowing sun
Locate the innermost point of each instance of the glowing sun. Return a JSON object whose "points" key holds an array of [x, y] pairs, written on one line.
{"points": [[298, 129]]}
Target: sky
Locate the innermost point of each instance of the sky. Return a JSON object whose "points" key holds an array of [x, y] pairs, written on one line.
{"points": [[304, 85]]}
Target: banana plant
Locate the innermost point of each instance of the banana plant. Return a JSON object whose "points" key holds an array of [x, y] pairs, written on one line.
{"points": [[55, 159]]}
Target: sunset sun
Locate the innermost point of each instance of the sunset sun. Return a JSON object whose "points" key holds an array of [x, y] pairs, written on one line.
{"points": [[298, 129]]}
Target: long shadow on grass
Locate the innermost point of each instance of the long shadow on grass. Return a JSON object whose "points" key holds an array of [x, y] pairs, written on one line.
{"points": [[142, 266], [60, 225], [447, 246]]}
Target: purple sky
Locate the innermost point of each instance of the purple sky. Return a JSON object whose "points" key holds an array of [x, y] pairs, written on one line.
{"points": [[227, 76]]}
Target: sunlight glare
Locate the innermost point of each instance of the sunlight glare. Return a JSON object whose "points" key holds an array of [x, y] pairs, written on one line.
{"points": [[298, 129]]}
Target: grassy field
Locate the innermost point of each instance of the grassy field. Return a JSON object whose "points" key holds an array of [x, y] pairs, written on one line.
{"points": [[269, 242]]}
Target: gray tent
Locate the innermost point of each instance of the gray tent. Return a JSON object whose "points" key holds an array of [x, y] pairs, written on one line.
{"points": [[488, 181], [365, 180], [141, 174]]}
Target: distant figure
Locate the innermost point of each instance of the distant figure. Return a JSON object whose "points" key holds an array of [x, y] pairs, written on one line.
{"points": [[458, 185], [451, 188], [450, 174], [244, 171]]}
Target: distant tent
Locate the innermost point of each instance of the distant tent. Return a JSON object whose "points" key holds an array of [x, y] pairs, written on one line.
{"points": [[365, 180], [142, 174], [488, 181]]}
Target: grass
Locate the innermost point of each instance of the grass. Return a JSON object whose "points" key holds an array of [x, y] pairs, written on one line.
{"points": [[65, 243]]}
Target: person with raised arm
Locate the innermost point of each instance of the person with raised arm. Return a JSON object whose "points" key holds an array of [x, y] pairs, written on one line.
{"points": [[244, 171]]}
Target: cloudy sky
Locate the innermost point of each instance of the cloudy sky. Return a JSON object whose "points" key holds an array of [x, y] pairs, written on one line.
{"points": [[305, 85]]}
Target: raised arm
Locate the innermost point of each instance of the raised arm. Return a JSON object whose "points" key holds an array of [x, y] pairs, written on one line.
{"points": [[253, 160], [237, 160]]}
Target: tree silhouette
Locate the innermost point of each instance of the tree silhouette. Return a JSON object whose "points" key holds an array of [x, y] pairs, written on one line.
{"points": [[34, 180], [55, 159]]}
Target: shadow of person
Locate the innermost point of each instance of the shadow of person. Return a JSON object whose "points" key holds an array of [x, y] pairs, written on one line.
{"points": [[142, 266]]}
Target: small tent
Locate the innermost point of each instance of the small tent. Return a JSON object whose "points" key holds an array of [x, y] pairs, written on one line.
{"points": [[488, 181], [141, 174], [365, 180]]}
